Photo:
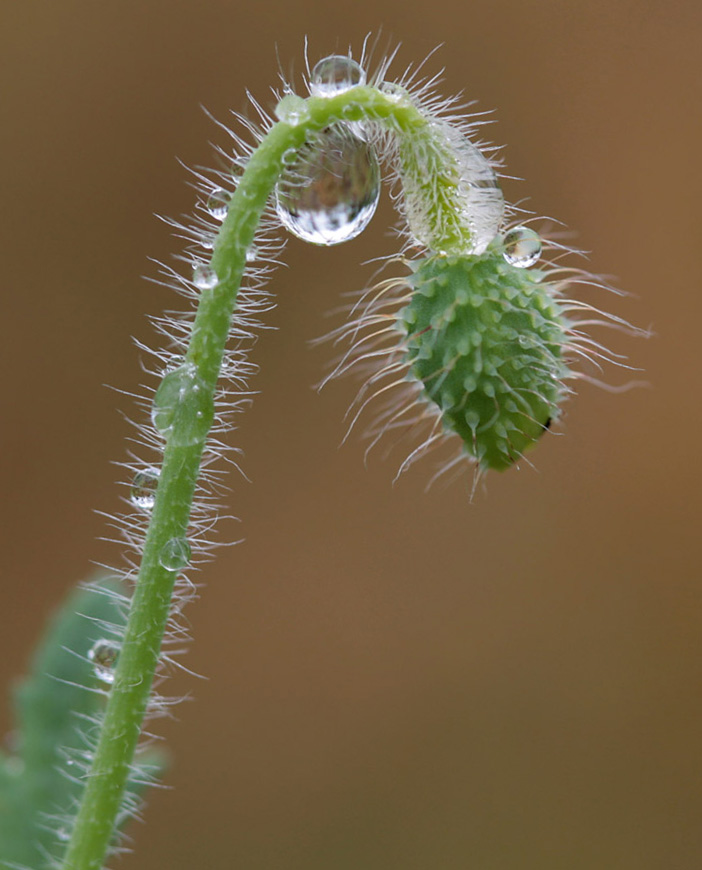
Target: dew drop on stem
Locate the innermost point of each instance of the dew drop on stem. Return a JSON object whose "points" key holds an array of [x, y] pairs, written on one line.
{"points": [[335, 74], [331, 191], [204, 277], [183, 410], [292, 110], [175, 554]]}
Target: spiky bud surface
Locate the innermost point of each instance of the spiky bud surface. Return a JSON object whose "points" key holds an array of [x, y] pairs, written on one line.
{"points": [[486, 339]]}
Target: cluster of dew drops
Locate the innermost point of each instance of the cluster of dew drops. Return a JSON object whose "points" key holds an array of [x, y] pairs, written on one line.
{"points": [[326, 195], [330, 192]]}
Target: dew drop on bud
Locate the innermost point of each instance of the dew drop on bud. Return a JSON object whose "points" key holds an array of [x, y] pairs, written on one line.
{"points": [[521, 247], [143, 491], [204, 277], [175, 554], [335, 74], [183, 410], [218, 203], [330, 193], [104, 654]]}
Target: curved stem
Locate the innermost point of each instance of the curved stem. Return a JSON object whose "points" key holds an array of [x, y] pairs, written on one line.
{"points": [[95, 821]]}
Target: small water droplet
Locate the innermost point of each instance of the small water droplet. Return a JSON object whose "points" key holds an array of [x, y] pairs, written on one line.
{"points": [[335, 74], [218, 203], [175, 554], [331, 192], [252, 254], [204, 277], [104, 654], [143, 491], [183, 411], [292, 110], [63, 834], [521, 247], [395, 92]]}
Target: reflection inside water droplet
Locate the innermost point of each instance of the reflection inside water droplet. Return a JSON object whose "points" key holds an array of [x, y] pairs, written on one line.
{"points": [[330, 193], [218, 203], [143, 491], [521, 247], [104, 654]]}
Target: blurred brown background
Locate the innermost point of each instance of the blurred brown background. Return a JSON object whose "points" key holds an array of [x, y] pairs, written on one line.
{"points": [[396, 679]]}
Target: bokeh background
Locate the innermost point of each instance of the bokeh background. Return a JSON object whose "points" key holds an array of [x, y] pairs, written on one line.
{"points": [[395, 679]]}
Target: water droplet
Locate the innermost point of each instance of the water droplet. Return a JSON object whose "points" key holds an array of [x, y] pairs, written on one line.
{"points": [[484, 204], [204, 277], [143, 491], [63, 834], [183, 411], [331, 192], [252, 254], [335, 74], [218, 203], [395, 92], [292, 110], [104, 654], [175, 554], [521, 247]]}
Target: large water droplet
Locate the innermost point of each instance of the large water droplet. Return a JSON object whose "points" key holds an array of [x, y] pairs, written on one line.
{"points": [[218, 203], [143, 491], [183, 411], [204, 277], [521, 247], [330, 193], [104, 654], [484, 204], [175, 554], [334, 74]]}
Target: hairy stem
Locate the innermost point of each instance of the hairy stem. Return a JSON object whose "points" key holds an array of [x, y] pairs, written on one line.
{"points": [[96, 818]]}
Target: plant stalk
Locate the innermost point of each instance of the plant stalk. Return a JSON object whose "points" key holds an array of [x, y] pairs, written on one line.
{"points": [[97, 815]]}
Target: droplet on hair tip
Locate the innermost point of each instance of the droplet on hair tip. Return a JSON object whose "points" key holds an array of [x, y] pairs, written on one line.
{"points": [[104, 654], [218, 203], [521, 247], [143, 491]]}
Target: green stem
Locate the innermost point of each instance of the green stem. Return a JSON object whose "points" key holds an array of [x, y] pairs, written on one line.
{"points": [[95, 821]]}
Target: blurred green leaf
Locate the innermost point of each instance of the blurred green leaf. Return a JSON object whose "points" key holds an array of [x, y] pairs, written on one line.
{"points": [[40, 784]]}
